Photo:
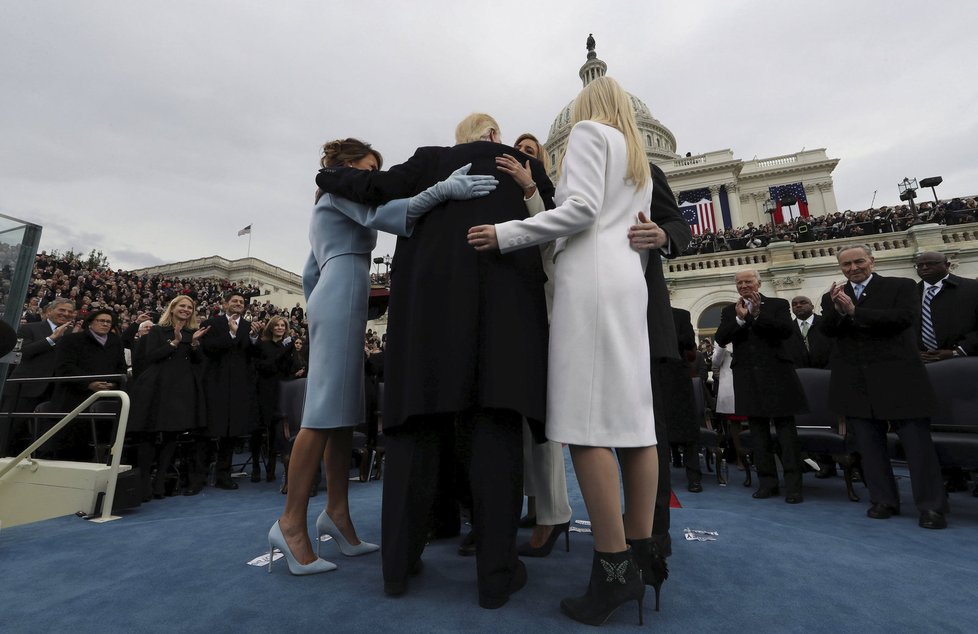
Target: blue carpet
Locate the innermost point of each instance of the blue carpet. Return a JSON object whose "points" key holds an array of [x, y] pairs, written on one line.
{"points": [[179, 565]]}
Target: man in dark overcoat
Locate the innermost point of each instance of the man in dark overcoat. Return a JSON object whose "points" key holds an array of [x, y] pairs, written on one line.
{"points": [[229, 381], [40, 340], [878, 379], [766, 386], [467, 344], [672, 392]]}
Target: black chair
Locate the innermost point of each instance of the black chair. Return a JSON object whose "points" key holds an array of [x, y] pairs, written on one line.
{"points": [[712, 440], [818, 430]]}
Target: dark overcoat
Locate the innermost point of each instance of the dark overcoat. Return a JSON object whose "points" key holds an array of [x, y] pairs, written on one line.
{"points": [[466, 329], [80, 354], [228, 378], [273, 365], [764, 378], [954, 312], [167, 395], [876, 367], [37, 357], [672, 391]]}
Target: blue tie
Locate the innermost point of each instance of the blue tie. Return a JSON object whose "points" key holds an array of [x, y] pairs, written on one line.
{"points": [[857, 289], [927, 335]]}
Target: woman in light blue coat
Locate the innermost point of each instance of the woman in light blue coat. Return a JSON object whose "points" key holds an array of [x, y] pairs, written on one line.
{"points": [[336, 282]]}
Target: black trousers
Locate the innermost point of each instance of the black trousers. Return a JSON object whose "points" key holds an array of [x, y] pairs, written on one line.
{"points": [[767, 470], [660, 512], [414, 454], [925, 470]]}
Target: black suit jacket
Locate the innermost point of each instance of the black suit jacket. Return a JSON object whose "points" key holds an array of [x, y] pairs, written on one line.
{"points": [[37, 357], [954, 312], [876, 367], [467, 329], [229, 378], [764, 378], [672, 390], [816, 353]]}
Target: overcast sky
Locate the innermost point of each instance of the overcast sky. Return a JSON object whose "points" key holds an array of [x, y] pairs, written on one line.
{"points": [[154, 131]]}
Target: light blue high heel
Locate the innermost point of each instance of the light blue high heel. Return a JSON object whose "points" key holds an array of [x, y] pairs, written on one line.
{"points": [[325, 526], [277, 540]]}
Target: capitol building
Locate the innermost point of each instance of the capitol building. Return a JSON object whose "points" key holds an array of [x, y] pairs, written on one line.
{"points": [[732, 192]]}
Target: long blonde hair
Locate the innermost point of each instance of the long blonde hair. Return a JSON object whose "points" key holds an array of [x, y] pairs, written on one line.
{"points": [[604, 101], [167, 318]]}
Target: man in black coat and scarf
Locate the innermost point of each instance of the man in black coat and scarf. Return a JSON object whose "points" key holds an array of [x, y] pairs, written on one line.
{"points": [[467, 344]]}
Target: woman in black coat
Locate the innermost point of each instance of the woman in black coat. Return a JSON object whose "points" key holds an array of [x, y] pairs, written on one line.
{"points": [[167, 398], [95, 350], [274, 365]]}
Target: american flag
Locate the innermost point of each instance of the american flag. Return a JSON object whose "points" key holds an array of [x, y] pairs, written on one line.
{"points": [[699, 216], [800, 208]]}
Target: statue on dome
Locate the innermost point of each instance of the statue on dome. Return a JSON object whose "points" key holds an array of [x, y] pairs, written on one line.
{"points": [[590, 42]]}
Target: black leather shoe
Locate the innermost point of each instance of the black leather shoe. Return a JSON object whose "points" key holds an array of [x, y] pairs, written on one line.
{"points": [[467, 547], [826, 472], [226, 483], [516, 583], [794, 499], [763, 494], [932, 519], [695, 487], [193, 489], [882, 511]]}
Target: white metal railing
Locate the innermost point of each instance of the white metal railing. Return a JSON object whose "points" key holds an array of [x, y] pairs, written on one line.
{"points": [[116, 446]]}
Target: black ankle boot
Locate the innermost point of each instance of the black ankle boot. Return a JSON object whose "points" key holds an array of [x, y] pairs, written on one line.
{"points": [[649, 559], [615, 579]]}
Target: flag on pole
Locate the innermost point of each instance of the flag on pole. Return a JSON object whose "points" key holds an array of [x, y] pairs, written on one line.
{"points": [[245, 231]]}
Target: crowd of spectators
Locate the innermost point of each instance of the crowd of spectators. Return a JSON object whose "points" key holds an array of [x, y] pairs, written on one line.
{"points": [[134, 297], [841, 224]]}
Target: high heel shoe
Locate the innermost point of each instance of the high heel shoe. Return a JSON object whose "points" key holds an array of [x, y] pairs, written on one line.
{"points": [[527, 550], [649, 559], [615, 580], [325, 526], [277, 540]]}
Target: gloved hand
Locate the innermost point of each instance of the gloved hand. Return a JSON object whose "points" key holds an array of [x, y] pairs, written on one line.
{"points": [[458, 186]]}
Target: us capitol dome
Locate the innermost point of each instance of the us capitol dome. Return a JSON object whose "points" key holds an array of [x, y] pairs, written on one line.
{"points": [[660, 142]]}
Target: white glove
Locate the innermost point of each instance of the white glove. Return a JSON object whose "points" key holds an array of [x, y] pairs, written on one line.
{"points": [[458, 186]]}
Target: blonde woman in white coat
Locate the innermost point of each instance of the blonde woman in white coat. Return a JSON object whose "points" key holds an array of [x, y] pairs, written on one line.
{"points": [[599, 395]]}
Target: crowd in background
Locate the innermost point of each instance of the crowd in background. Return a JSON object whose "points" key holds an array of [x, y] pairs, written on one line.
{"points": [[841, 224]]}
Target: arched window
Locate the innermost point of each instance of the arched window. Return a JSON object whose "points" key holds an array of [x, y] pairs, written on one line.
{"points": [[709, 320]]}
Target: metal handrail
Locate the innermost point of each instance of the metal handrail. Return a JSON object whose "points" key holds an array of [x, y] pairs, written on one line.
{"points": [[116, 447]]}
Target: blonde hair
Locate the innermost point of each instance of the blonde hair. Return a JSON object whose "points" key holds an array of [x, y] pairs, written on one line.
{"points": [[475, 127], [267, 333], [604, 101], [542, 155], [167, 318]]}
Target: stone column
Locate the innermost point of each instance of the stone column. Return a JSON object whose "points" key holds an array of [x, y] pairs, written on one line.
{"points": [[717, 210], [733, 199]]}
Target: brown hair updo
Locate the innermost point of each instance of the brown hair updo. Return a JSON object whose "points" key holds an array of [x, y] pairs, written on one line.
{"points": [[342, 151]]}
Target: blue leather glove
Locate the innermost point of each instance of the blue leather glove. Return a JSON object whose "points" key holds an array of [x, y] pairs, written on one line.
{"points": [[458, 186]]}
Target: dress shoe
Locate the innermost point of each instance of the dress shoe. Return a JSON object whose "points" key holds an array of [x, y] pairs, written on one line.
{"points": [[826, 471], [398, 588], [226, 483], [325, 526], [193, 489], [794, 498], [881, 511], [932, 519], [256, 475], [516, 583], [763, 494], [277, 540], [527, 550], [467, 547], [695, 487]]}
